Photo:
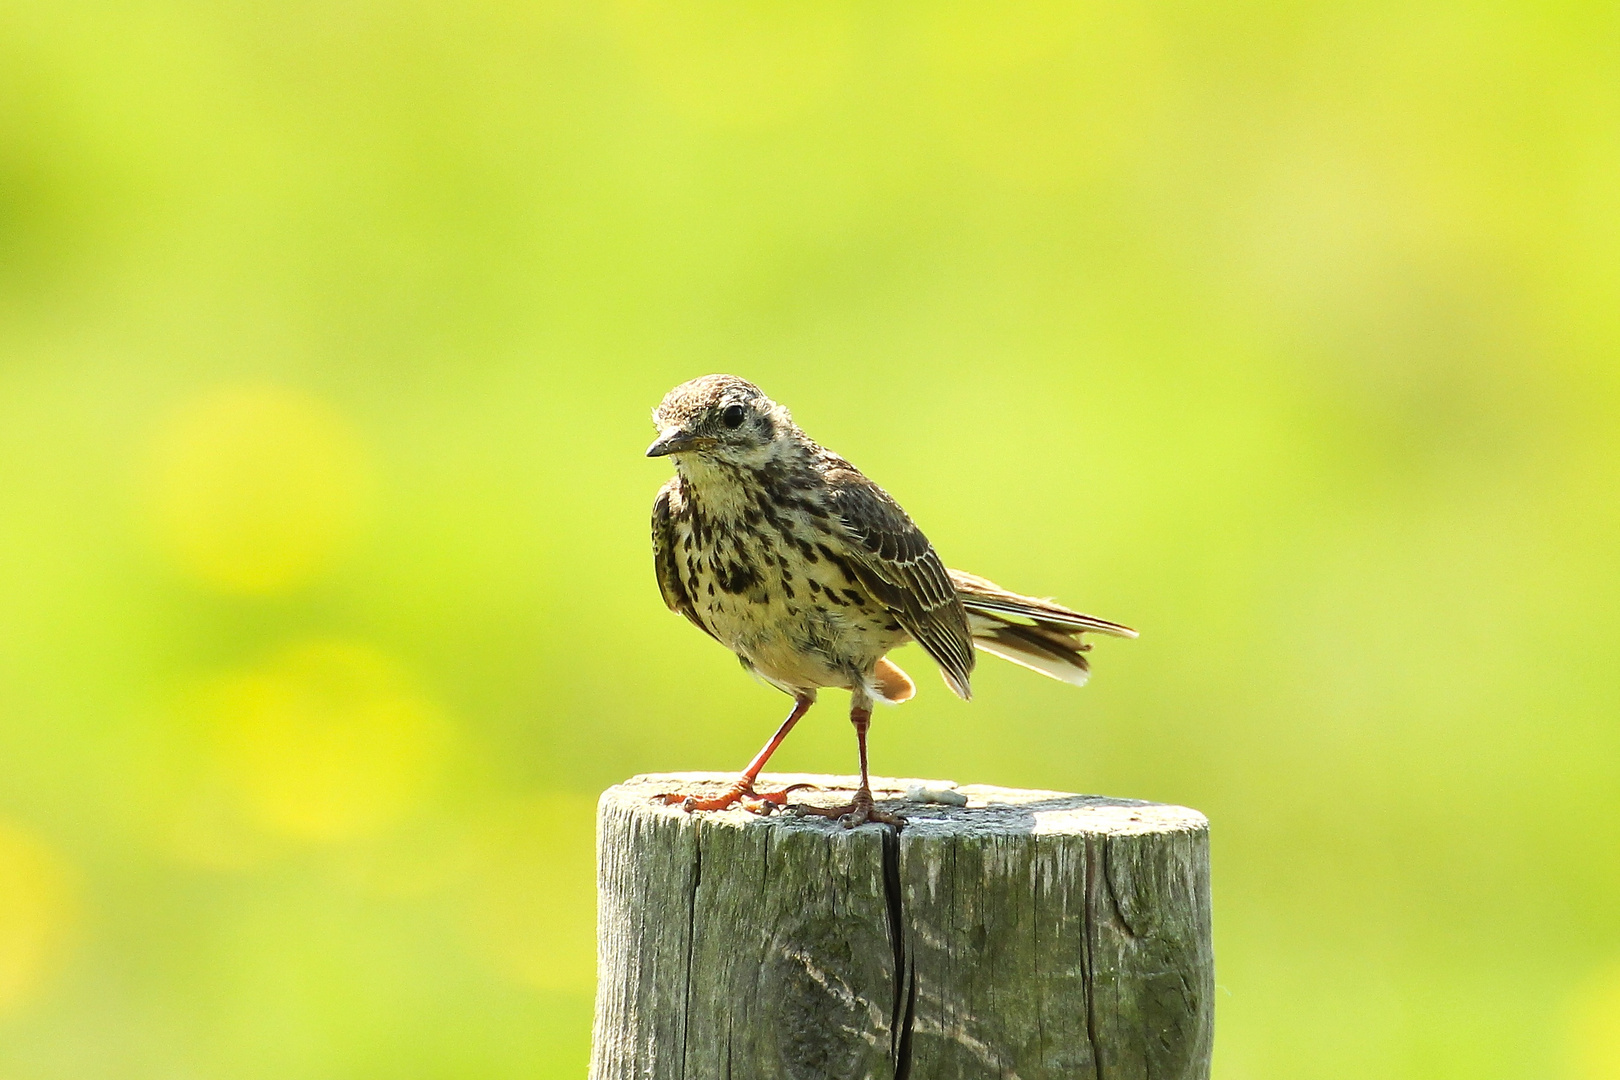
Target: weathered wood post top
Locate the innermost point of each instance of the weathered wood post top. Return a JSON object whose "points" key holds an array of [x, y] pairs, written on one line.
{"points": [[1001, 933]]}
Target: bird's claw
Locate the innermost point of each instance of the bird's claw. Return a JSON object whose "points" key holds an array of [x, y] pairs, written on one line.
{"points": [[861, 815], [856, 818], [741, 794], [860, 811]]}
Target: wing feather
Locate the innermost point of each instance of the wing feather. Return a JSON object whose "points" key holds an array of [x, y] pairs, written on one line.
{"points": [[665, 558], [896, 563]]}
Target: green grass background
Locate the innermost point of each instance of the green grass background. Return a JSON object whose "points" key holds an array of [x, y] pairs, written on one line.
{"points": [[1286, 333]]}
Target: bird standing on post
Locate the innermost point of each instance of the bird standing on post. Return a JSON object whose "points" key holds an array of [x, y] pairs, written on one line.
{"points": [[783, 552]]}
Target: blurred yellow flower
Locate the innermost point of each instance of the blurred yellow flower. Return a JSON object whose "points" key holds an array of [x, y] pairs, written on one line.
{"points": [[326, 740], [1595, 1029], [256, 489], [37, 906], [531, 907], [1041, 92], [739, 64]]}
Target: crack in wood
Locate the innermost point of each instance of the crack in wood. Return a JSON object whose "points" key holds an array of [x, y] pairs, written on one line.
{"points": [[1088, 953], [903, 1015], [691, 941], [1031, 934]]}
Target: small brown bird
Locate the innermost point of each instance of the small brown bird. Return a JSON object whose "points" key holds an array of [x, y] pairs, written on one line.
{"points": [[784, 553]]}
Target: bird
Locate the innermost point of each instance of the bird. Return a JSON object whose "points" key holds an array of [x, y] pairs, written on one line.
{"points": [[809, 572]]}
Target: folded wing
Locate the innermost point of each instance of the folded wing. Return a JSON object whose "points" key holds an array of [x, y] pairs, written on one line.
{"points": [[895, 562]]}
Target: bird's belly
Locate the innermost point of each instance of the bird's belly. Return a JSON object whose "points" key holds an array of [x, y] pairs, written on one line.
{"points": [[803, 647]]}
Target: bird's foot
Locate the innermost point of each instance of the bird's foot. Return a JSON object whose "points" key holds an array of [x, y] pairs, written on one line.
{"points": [[857, 812], [741, 794]]}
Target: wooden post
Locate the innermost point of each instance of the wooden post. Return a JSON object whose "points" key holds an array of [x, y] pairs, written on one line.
{"points": [[1026, 934]]}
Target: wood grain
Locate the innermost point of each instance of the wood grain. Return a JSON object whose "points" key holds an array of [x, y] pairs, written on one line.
{"points": [[1027, 934]]}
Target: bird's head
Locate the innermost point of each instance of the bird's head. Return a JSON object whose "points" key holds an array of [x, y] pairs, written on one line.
{"points": [[719, 418]]}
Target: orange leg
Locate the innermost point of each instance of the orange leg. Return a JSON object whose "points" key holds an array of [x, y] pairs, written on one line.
{"points": [[862, 809], [743, 790]]}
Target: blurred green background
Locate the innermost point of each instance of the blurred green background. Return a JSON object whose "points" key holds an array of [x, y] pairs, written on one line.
{"points": [[1286, 333]]}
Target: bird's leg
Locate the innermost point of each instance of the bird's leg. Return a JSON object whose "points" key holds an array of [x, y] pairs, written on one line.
{"points": [[862, 809], [743, 790]]}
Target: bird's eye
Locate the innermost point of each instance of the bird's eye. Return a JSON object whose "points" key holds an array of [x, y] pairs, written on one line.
{"points": [[733, 416]]}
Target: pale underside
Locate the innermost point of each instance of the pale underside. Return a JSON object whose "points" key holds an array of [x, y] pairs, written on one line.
{"points": [[806, 627]]}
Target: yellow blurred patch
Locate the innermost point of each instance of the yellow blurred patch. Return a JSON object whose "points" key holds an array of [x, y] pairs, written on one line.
{"points": [[1595, 1028], [326, 740], [428, 857], [531, 903], [208, 826], [256, 489], [1042, 92], [739, 64], [37, 906]]}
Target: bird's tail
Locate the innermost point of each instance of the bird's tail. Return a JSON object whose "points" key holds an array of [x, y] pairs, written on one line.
{"points": [[1037, 634]]}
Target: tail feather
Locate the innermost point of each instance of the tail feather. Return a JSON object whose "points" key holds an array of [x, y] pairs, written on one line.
{"points": [[1041, 635], [1025, 647]]}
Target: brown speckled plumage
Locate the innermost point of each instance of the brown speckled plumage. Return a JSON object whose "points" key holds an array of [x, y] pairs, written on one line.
{"points": [[811, 573]]}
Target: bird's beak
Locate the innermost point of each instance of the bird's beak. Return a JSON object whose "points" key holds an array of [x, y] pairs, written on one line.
{"points": [[677, 441]]}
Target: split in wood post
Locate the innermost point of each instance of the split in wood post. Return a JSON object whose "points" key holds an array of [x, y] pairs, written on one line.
{"points": [[1026, 934]]}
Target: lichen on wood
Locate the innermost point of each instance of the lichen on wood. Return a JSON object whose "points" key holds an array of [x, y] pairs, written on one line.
{"points": [[1027, 934]]}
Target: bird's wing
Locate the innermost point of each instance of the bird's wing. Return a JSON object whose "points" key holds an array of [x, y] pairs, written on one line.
{"points": [[897, 564], [666, 564]]}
